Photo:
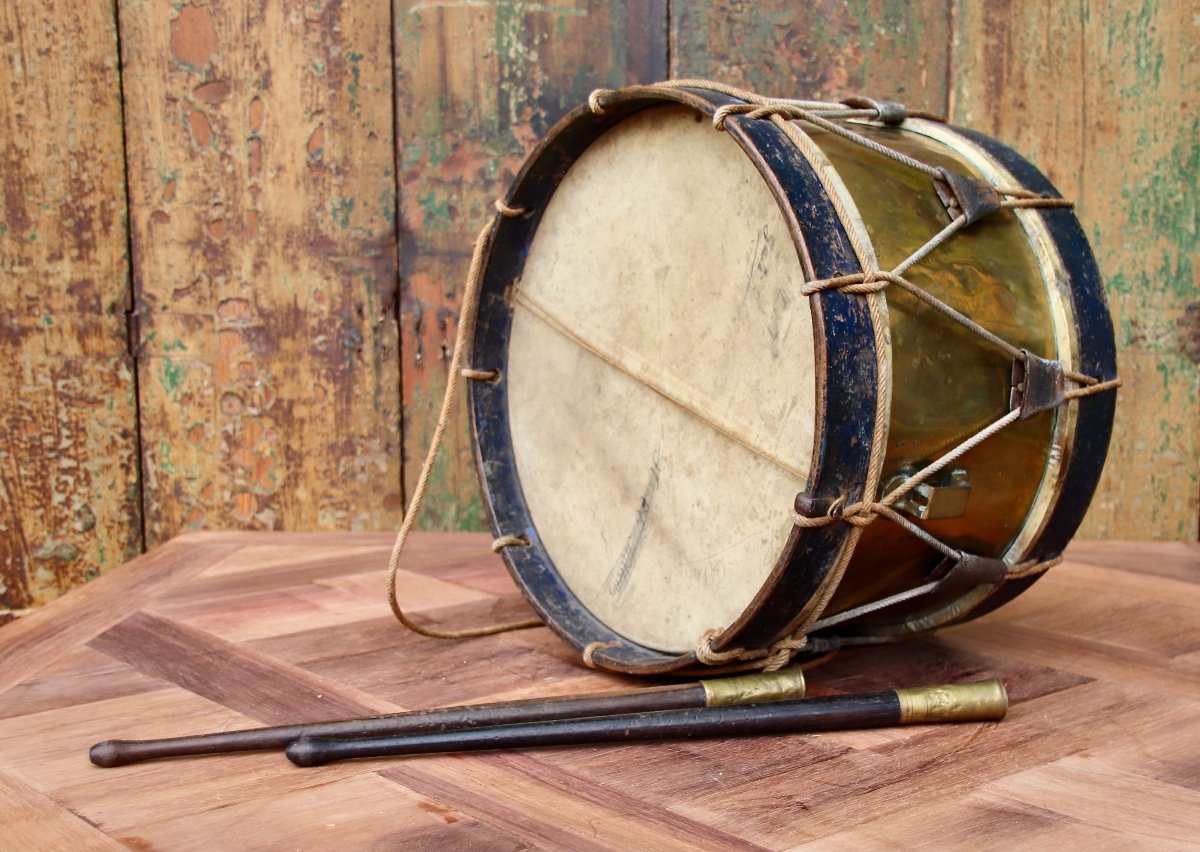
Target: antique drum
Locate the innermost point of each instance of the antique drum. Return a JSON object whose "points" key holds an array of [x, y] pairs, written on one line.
{"points": [[752, 378]]}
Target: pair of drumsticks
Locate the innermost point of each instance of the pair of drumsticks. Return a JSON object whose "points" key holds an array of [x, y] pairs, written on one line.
{"points": [[745, 705]]}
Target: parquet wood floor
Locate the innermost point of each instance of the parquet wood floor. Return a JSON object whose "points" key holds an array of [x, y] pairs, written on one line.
{"points": [[216, 631]]}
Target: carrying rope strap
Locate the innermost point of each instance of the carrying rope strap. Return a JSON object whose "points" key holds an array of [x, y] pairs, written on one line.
{"points": [[466, 326], [968, 200]]}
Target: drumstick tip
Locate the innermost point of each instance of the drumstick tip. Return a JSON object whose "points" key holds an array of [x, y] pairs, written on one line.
{"points": [[108, 754], [305, 752]]}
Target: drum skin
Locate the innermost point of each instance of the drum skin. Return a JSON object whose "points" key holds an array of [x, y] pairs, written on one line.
{"points": [[1029, 277]]}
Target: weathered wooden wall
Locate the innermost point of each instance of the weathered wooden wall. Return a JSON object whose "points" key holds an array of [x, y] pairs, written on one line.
{"points": [[305, 180], [69, 504], [262, 194]]}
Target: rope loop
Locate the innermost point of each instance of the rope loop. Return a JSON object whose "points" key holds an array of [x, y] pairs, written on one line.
{"points": [[594, 101], [724, 112], [769, 659], [1031, 567], [589, 652], [508, 212], [860, 283], [861, 514], [509, 541], [490, 376], [706, 655], [781, 652]]}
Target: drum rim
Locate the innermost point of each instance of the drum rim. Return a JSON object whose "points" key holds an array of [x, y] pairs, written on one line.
{"points": [[845, 404], [1096, 355]]}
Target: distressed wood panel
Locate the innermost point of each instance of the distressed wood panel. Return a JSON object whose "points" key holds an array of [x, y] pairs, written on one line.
{"points": [[477, 85], [263, 194], [830, 48], [68, 459], [1103, 97]]}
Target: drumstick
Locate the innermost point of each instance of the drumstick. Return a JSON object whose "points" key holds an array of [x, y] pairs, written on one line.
{"points": [[980, 701], [773, 686]]}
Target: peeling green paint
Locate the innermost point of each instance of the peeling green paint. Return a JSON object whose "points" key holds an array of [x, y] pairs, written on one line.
{"points": [[340, 210], [164, 459], [352, 88], [437, 212], [171, 374]]}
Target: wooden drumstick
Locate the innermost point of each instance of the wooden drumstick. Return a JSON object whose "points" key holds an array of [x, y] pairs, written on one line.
{"points": [[981, 701], [773, 686]]}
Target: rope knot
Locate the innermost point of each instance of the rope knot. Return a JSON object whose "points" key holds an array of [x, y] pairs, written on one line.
{"points": [[491, 376], [859, 514], [594, 101], [509, 541], [860, 283], [706, 655], [771, 659], [724, 112], [589, 652], [781, 653], [509, 212]]}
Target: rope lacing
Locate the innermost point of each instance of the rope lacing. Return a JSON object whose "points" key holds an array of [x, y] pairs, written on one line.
{"points": [[870, 284]]}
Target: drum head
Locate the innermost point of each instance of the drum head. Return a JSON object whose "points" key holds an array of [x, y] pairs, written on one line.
{"points": [[661, 379]]}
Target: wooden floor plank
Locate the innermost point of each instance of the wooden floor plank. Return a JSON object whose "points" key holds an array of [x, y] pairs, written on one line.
{"points": [[810, 802], [976, 821], [1080, 655], [36, 640], [50, 751], [1142, 809], [33, 821], [37, 695], [264, 689], [362, 812], [1179, 559]]}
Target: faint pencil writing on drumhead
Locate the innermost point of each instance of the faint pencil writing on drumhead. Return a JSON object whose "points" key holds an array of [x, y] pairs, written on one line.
{"points": [[618, 577]]}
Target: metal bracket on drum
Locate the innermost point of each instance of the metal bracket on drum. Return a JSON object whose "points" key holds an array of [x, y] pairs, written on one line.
{"points": [[818, 507], [962, 572], [943, 496], [1037, 385], [886, 112], [966, 196]]}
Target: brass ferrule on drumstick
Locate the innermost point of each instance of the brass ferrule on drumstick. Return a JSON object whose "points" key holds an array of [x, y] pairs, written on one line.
{"points": [[773, 686], [969, 702]]}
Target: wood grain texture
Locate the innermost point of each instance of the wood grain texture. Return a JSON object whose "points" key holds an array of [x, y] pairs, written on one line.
{"points": [[477, 86], [1102, 96], [68, 462], [830, 49], [263, 194], [30, 818], [1101, 660], [37, 641]]}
